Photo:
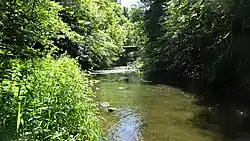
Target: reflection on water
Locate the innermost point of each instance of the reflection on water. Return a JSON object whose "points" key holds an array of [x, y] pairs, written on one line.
{"points": [[166, 113], [128, 128]]}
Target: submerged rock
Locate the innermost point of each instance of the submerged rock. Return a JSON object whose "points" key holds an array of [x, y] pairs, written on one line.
{"points": [[104, 105], [111, 109], [122, 88]]}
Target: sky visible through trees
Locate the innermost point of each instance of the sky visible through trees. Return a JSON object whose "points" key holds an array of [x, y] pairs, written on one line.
{"points": [[129, 3]]}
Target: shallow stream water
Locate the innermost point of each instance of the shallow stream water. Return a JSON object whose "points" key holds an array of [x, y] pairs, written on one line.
{"points": [[159, 112]]}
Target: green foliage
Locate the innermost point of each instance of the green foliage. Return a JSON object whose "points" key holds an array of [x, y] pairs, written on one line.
{"points": [[91, 30], [188, 31], [101, 25], [47, 99], [23, 24], [205, 41], [135, 27]]}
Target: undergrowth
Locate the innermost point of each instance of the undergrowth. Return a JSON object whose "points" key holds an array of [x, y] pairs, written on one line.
{"points": [[46, 99]]}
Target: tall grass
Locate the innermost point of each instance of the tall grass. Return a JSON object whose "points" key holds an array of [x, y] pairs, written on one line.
{"points": [[47, 99]]}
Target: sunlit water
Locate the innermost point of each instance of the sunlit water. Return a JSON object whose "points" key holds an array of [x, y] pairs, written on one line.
{"points": [[166, 112]]}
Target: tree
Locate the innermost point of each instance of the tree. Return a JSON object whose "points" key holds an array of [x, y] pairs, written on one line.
{"points": [[101, 25], [203, 41]]}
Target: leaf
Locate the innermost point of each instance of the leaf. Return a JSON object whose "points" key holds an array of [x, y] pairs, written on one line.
{"points": [[18, 116], [56, 135]]}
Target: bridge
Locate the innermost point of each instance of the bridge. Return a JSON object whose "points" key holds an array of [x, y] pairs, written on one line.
{"points": [[129, 55]]}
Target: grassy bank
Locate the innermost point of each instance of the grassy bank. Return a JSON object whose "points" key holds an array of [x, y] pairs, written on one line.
{"points": [[46, 99]]}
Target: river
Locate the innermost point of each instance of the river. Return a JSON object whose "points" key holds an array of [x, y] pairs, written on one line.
{"points": [[159, 112]]}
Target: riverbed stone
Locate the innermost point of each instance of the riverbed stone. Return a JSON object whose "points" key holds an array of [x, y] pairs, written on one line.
{"points": [[111, 109], [104, 104]]}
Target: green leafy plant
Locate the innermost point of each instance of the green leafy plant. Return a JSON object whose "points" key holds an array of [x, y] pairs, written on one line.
{"points": [[200, 41], [101, 23], [47, 99]]}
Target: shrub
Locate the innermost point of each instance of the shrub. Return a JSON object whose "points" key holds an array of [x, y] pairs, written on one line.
{"points": [[47, 99]]}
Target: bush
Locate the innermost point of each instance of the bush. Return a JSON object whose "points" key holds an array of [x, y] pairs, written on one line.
{"points": [[47, 99]]}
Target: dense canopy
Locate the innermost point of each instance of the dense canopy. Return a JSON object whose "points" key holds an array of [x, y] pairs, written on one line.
{"points": [[202, 41]]}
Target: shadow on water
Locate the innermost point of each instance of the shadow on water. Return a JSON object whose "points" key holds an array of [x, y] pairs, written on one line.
{"points": [[169, 115], [231, 121], [222, 115]]}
